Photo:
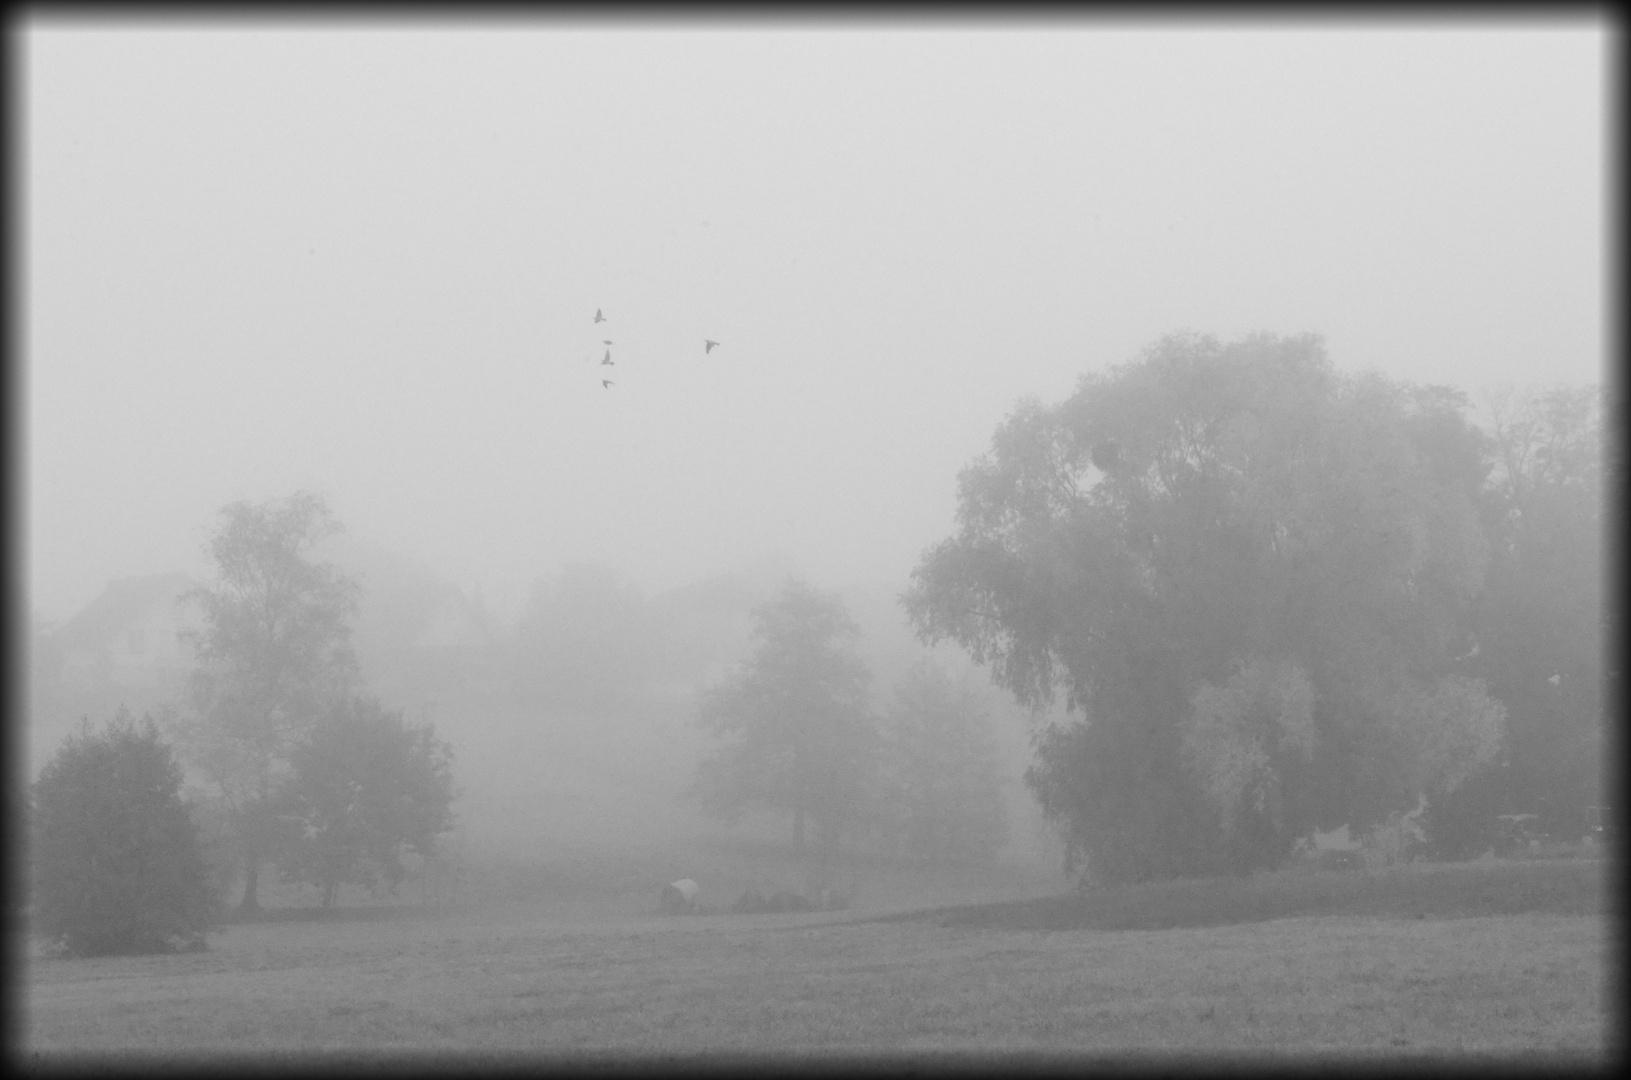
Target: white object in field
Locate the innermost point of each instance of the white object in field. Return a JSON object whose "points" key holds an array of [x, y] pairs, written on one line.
{"points": [[680, 894], [1338, 839]]}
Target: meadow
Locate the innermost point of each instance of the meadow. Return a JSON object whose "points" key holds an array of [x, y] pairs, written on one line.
{"points": [[1498, 958]]}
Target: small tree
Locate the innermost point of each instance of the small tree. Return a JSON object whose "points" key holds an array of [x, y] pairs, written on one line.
{"points": [[801, 738], [940, 770], [118, 865], [365, 789]]}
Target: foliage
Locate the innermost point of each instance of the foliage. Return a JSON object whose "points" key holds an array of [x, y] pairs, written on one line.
{"points": [[1465, 823], [1247, 740], [365, 789], [800, 738], [1398, 839], [1442, 736], [118, 867], [274, 653], [1543, 623], [940, 768], [1180, 516]]}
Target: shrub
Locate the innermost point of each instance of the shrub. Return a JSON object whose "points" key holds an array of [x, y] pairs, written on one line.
{"points": [[1464, 823], [366, 789], [118, 866]]}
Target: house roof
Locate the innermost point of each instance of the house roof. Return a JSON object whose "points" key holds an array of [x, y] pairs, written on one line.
{"points": [[120, 604], [725, 592]]}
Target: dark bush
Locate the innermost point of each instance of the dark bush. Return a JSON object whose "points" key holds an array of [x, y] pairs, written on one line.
{"points": [[1464, 824], [751, 902], [118, 866], [787, 900]]}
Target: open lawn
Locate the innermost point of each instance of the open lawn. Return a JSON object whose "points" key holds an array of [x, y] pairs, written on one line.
{"points": [[1427, 979]]}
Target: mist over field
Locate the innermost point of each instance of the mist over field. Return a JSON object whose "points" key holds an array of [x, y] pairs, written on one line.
{"points": [[591, 336]]}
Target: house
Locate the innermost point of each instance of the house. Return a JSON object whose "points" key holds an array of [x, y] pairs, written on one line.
{"points": [[132, 635], [704, 631], [126, 647], [419, 639]]}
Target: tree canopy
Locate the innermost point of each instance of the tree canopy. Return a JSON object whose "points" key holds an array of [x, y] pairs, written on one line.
{"points": [[118, 865], [799, 738], [274, 653], [366, 788], [1233, 545]]}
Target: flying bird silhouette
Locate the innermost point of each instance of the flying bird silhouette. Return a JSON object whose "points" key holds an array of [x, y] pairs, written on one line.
{"points": [[608, 359], [598, 316], [603, 341], [604, 383], [708, 346]]}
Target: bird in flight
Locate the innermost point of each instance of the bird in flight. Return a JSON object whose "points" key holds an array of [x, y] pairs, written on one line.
{"points": [[608, 359], [708, 346], [605, 342], [598, 316], [604, 383]]}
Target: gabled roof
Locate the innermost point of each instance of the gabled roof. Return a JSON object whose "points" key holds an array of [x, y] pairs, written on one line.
{"points": [[120, 604]]}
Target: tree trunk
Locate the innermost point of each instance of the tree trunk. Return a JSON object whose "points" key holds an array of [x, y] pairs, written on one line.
{"points": [[798, 829], [329, 889], [252, 866], [253, 823]]}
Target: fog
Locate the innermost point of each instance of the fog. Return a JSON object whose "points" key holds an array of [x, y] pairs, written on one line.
{"points": [[365, 261]]}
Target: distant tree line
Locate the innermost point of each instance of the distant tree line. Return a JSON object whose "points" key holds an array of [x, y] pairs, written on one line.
{"points": [[1275, 597], [1280, 598], [799, 732], [800, 737]]}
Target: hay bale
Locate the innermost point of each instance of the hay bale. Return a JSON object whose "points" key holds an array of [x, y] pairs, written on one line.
{"points": [[679, 896]]}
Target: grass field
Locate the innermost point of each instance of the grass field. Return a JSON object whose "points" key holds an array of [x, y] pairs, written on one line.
{"points": [[1500, 959]]}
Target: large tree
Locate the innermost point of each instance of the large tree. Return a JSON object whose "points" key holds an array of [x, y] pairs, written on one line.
{"points": [[800, 738], [1235, 516], [274, 655]]}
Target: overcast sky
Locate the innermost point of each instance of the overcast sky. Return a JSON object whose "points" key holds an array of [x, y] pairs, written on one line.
{"points": [[365, 262]]}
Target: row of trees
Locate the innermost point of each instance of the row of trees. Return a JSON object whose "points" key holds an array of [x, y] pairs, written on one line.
{"points": [[1281, 598], [294, 764], [799, 737]]}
